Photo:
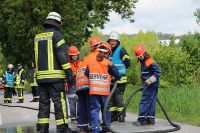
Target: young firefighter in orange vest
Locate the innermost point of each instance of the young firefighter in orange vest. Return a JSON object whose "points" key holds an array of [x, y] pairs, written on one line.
{"points": [[82, 86], [99, 71], [150, 75], [73, 53]]}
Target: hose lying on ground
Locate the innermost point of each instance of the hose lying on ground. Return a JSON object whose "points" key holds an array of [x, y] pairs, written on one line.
{"points": [[176, 126], [9, 105]]}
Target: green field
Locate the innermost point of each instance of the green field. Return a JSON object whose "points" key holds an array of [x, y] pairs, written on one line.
{"points": [[182, 103]]}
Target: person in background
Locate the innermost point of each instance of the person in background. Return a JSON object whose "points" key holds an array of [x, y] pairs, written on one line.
{"points": [[99, 71], [8, 81], [150, 76], [20, 82], [33, 84], [1, 83], [74, 61], [121, 60]]}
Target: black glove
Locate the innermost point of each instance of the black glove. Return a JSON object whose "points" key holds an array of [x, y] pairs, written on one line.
{"points": [[70, 77], [14, 93]]}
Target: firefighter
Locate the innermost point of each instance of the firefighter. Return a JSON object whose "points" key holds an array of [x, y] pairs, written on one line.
{"points": [[33, 84], [150, 75], [73, 53], [94, 43], [8, 81], [99, 71], [82, 85], [20, 82], [121, 60], [51, 70], [1, 83]]}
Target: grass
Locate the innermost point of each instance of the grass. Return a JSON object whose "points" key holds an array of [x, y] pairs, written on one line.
{"points": [[181, 103]]}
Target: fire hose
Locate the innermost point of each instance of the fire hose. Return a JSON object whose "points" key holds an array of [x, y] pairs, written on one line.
{"points": [[176, 126]]}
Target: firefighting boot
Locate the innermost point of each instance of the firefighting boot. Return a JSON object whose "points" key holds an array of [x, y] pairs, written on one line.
{"points": [[20, 101], [9, 101], [63, 129], [121, 118], [35, 100], [113, 116], [42, 128]]}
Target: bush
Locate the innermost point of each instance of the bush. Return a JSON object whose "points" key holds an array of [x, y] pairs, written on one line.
{"points": [[175, 66]]}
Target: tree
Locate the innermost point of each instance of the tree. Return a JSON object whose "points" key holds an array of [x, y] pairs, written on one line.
{"points": [[20, 20], [197, 14], [191, 44]]}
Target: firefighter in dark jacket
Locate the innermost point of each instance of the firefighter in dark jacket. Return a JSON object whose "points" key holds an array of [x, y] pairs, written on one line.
{"points": [[20, 82], [8, 81], [121, 60], [33, 84], [51, 70]]}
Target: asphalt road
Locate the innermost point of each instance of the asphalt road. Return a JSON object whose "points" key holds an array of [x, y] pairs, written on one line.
{"points": [[20, 120]]}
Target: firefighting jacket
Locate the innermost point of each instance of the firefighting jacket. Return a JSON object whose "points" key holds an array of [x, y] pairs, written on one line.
{"points": [[50, 56]]}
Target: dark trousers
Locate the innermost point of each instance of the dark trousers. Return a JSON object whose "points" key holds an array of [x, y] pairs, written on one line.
{"points": [[147, 107], [117, 101], [83, 110], [72, 107], [8, 94], [55, 92], [20, 92], [35, 91]]}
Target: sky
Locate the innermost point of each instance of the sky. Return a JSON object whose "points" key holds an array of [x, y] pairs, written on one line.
{"points": [[167, 16]]}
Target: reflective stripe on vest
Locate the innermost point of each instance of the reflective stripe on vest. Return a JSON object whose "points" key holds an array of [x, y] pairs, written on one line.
{"points": [[9, 79], [117, 61]]}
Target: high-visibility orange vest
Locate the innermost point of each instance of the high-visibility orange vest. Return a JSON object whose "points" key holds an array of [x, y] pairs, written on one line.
{"points": [[74, 66], [82, 81], [99, 77], [91, 55]]}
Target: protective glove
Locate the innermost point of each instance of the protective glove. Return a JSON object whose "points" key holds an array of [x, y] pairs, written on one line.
{"points": [[150, 80], [69, 77], [14, 93]]}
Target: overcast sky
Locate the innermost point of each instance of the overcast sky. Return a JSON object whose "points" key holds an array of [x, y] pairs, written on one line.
{"points": [[167, 16]]}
